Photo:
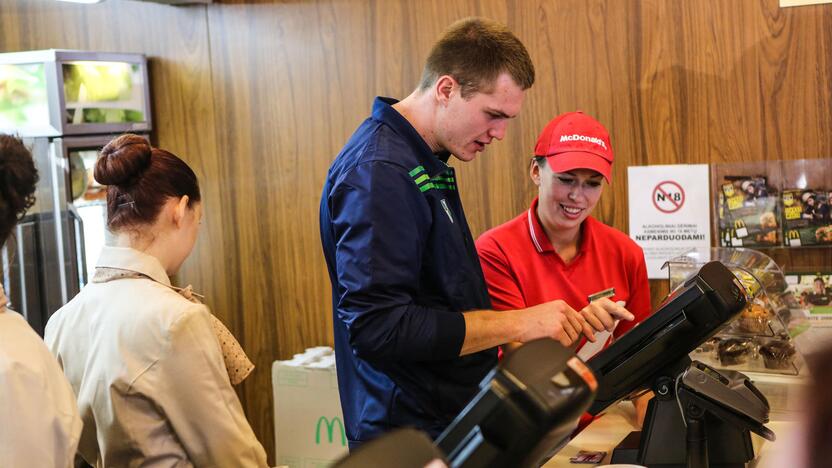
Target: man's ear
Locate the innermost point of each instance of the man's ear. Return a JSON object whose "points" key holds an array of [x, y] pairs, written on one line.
{"points": [[444, 88]]}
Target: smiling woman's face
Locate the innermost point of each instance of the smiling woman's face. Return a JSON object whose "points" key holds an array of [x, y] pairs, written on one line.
{"points": [[566, 198]]}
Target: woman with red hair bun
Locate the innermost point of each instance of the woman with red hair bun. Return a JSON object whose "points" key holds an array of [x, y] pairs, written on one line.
{"points": [[153, 378]]}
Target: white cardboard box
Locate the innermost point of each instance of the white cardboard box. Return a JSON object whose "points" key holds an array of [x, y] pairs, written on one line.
{"points": [[308, 423]]}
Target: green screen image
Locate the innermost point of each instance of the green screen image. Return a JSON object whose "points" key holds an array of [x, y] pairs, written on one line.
{"points": [[103, 92], [23, 99]]}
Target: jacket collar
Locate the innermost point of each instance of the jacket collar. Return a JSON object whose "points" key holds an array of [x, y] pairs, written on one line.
{"points": [[383, 111], [125, 258]]}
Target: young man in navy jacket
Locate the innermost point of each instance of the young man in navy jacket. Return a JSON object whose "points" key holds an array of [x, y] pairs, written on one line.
{"points": [[414, 333]]}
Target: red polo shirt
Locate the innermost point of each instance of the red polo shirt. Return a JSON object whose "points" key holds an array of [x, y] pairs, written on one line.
{"points": [[522, 269]]}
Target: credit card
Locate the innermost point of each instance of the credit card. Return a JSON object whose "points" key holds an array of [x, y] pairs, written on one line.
{"points": [[601, 294]]}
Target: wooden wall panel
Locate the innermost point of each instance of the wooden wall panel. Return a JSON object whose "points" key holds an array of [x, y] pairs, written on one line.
{"points": [[176, 41], [260, 95]]}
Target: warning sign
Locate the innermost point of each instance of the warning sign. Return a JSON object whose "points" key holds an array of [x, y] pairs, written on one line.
{"points": [[668, 196], [669, 224]]}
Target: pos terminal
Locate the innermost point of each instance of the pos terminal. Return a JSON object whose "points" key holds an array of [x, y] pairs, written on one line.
{"points": [[700, 416], [530, 403]]}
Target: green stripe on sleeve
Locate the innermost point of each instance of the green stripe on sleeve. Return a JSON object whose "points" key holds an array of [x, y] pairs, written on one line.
{"points": [[416, 170]]}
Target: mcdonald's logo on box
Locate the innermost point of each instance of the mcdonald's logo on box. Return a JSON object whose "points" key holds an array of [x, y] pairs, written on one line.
{"points": [[309, 427], [330, 425]]}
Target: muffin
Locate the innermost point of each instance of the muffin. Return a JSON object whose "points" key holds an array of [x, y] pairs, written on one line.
{"points": [[777, 354], [753, 319], [733, 351]]}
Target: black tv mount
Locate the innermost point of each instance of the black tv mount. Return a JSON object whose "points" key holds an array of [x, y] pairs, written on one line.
{"points": [[713, 412]]}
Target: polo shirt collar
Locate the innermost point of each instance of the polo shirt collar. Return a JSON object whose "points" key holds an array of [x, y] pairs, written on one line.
{"points": [[125, 258], [541, 241], [383, 111], [538, 236]]}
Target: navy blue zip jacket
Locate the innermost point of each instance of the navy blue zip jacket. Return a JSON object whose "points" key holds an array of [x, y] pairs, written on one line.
{"points": [[403, 268]]}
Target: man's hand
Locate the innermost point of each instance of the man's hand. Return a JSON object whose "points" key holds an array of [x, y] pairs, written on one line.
{"points": [[554, 320], [486, 329], [602, 314]]}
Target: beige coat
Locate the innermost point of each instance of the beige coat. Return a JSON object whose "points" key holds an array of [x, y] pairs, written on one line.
{"points": [[149, 374], [39, 422]]}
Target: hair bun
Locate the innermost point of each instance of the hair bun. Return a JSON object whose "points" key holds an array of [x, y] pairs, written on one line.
{"points": [[122, 160]]}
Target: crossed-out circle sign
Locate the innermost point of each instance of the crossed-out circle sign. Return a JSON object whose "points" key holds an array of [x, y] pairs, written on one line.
{"points": [[668, 196]]}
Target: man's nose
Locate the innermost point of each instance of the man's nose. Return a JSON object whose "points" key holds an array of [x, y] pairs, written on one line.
{"points": [[498, 131]]}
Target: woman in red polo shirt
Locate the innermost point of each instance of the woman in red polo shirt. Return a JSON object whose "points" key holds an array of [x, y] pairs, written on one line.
{"points": [[556, 250]]}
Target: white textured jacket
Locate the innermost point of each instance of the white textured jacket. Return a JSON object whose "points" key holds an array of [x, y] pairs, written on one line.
{"points": [[149, 374], [39, 423]]}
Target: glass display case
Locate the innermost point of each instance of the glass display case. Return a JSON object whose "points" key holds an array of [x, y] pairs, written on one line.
{"points": [[63, 92], [759, 339]]}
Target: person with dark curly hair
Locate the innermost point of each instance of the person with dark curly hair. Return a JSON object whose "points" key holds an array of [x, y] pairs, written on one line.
{"points": [[18, 178], [39, 421]]}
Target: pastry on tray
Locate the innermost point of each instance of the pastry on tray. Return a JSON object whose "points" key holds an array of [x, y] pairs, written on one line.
{"points": [[734, 351], [753, 319], [777, 354]]}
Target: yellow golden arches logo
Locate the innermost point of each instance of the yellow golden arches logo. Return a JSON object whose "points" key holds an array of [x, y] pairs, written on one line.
{"points": [[330, 428]]}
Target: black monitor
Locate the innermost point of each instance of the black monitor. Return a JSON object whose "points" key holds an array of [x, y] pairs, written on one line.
{"points": [[687, 318], [526, 409]]}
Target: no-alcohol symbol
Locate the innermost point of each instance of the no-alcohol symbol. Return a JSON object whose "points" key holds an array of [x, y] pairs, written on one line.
{"points": [[668, 196]]}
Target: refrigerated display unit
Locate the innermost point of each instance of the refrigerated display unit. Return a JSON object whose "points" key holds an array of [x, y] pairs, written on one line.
{"points": [[65, 105]]}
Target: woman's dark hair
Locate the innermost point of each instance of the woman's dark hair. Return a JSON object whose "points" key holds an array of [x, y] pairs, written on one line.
{"points": [[18, 178], [140, 179]]}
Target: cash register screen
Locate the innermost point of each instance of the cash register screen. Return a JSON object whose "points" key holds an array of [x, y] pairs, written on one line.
{"points": [[687, 318]]}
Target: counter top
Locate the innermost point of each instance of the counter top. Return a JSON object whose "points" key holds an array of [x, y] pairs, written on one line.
{"points": [[604, 433]]}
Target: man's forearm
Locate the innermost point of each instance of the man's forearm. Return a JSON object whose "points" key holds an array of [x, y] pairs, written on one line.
{"points": [[486, 329]]}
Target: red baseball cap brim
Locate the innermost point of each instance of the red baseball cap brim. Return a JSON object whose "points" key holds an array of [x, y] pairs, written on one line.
{"points": [[571, 160]]}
